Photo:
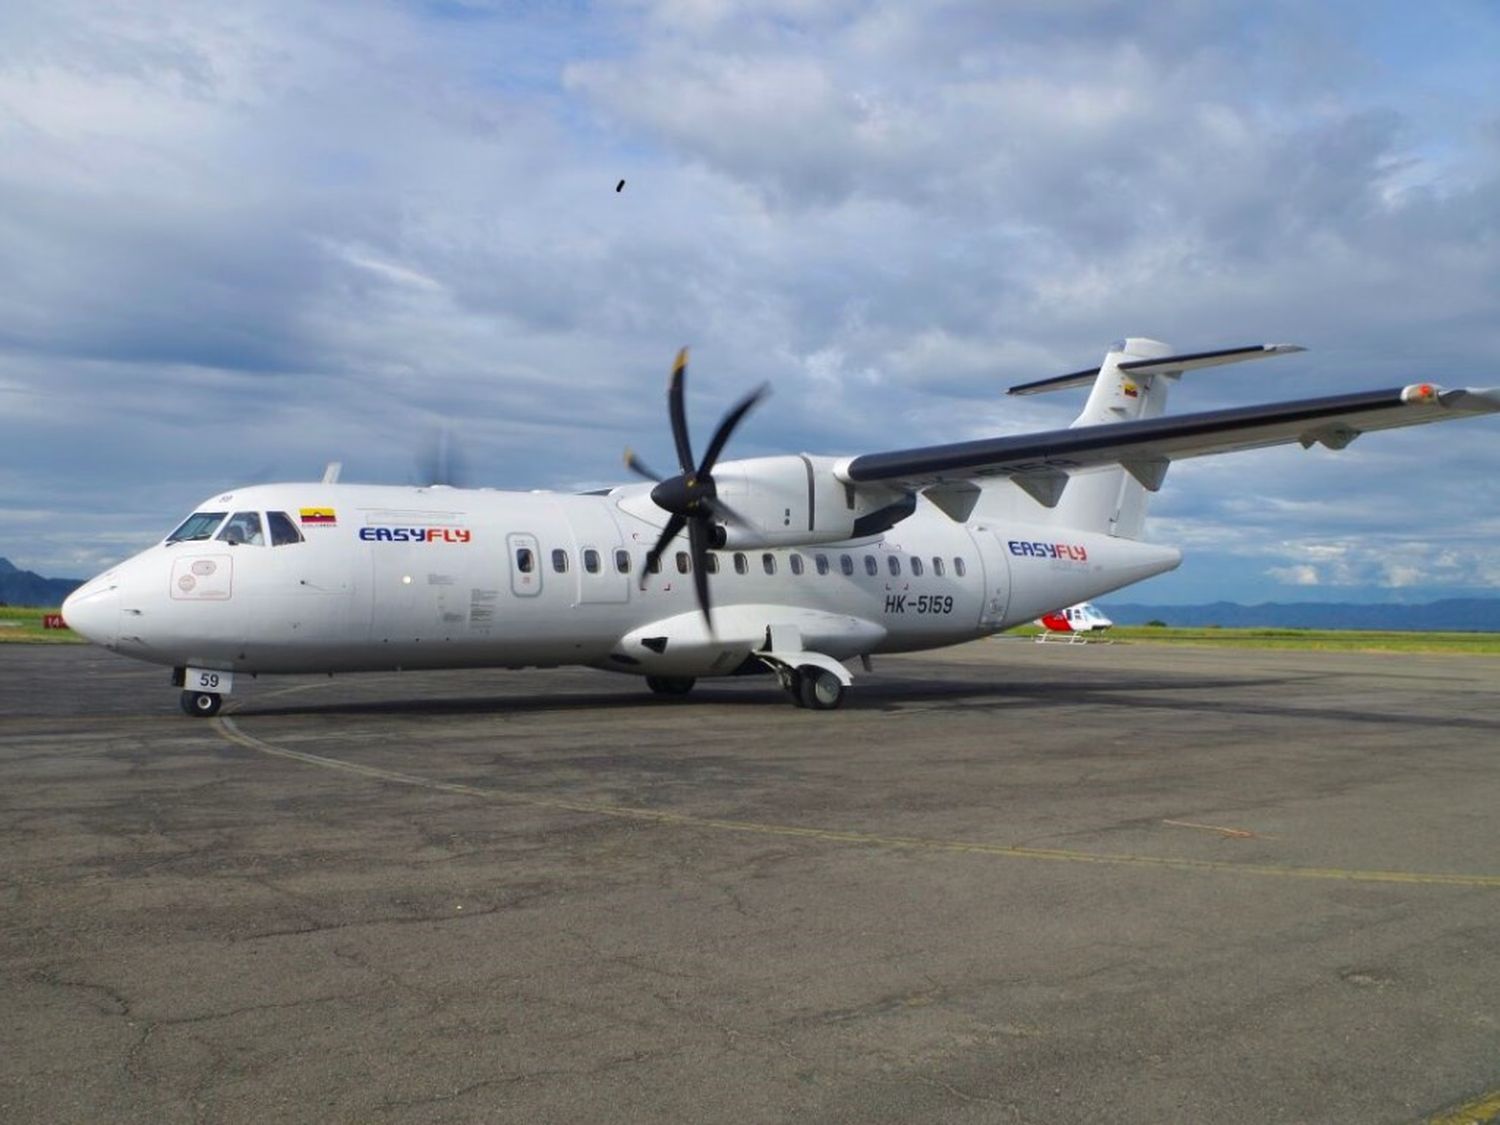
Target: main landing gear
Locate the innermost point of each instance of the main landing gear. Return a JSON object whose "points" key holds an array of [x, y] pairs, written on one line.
{"points": [[202, 704], [813, 680], [670, 685], [812, 687]]}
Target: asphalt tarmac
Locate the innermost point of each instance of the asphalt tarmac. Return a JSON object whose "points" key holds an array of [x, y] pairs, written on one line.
{"points": [[1008, 883]]}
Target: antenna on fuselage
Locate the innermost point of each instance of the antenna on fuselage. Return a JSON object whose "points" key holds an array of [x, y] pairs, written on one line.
{"points": [[331, 473]]}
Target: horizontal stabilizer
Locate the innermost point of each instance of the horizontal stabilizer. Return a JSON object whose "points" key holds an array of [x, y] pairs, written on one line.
{"points": [[1169, 365]]}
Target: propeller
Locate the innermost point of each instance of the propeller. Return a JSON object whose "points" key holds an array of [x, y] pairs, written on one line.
{"points": [[690, 497], [442, 460]]}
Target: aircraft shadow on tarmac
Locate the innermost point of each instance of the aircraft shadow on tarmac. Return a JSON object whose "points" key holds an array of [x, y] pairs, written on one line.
{"points": [[1178, 694], [885, 694]]}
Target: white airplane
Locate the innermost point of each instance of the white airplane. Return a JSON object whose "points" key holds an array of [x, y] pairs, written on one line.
{"points": [[811, 561], [1075, 622]]}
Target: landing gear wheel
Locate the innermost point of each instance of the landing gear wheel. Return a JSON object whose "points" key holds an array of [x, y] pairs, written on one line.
{"points": [[819, 689], [793, 681], [670, 685], [202, 704]]}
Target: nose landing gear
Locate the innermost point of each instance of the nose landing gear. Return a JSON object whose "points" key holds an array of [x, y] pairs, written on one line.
{"points": [[205, 690], [202, 704]]}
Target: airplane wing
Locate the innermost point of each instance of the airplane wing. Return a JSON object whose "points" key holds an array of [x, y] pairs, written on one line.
{"points": [[1040, 462]]}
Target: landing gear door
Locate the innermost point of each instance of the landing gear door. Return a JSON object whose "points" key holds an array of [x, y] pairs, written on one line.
{"points": [[992, 554], [525, 564]]}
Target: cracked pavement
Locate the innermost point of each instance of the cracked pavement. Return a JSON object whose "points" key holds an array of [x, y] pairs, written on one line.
{"points": [[192, 930]]}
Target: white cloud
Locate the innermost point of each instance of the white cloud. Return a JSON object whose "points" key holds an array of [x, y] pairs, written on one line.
{"points": [[1303, 575], [353, 222]]}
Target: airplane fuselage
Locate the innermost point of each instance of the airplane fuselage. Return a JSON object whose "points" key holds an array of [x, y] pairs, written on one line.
{"points": [[383, 577], [819, 559]]}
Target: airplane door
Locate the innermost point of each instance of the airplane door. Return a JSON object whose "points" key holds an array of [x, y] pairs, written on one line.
{"points": [[525, 564], [996, 576], [596, 538]]}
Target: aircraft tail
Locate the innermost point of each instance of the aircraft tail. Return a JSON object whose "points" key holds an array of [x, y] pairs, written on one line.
{"points": [[1110, 499], [1130, 384]]}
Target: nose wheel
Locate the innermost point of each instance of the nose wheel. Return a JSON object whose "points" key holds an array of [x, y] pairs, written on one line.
{"points": [[202, 704]]}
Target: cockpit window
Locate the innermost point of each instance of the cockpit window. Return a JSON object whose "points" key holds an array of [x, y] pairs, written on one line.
{"points": [[243, 528], [283, 530], [199, 525]]}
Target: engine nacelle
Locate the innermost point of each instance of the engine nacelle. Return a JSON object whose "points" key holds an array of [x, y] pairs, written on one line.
{"points": [[796, 499]]}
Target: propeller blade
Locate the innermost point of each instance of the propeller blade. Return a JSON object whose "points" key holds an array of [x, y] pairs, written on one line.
{"points": [[724, 511], [442, 460], [636, 465], [726, 427], [674, 525], [697, 538], [678, 412]]}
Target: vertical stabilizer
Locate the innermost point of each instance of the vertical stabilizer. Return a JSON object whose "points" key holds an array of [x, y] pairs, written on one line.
{"points": [[1119, 396], [1130, 384], [1113, 499]]}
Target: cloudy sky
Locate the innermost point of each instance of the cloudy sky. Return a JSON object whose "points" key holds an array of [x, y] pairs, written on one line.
{"points": [[240, 240]]}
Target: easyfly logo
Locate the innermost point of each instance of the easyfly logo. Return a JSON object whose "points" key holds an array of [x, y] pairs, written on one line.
{"points": [[1068, 552], [383, 534]]}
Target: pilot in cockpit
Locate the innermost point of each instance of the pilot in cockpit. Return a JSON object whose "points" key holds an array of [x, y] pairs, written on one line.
{"points": [[243, 528]]}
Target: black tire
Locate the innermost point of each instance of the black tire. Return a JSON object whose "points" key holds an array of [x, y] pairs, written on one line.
{"points": [[794, 680], [670, 685], [819, 689], [202, 704]]}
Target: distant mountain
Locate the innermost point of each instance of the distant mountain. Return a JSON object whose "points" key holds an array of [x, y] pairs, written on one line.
{"points": [[22, 587], [1467, 615]]}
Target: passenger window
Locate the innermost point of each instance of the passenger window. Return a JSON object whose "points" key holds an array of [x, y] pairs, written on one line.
{"points": [[741, 564], [653, 565], [795, 562], [711, 563], [591, 560], [916, 567], [525, 560], [894, 564], [283, 530], [821, 561], [559, 560], [846, 564], [937, 566], [622, 561], [199, 525], [682, 562], [243, 528], [768, 563], [872, 568], [958, 567]]}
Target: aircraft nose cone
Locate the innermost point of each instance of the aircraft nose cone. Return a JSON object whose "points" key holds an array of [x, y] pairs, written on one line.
{"points": [[93, 611]]}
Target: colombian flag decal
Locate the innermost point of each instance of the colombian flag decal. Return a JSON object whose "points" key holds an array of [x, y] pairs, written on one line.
{"points": [[318, 517]]}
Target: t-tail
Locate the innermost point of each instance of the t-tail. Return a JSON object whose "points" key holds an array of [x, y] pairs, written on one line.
{"points": [[1130, 384]]}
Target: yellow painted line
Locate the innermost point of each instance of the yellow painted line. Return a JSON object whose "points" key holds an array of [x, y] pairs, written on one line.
{"points": [[231, 731], [1483, 1110]]}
